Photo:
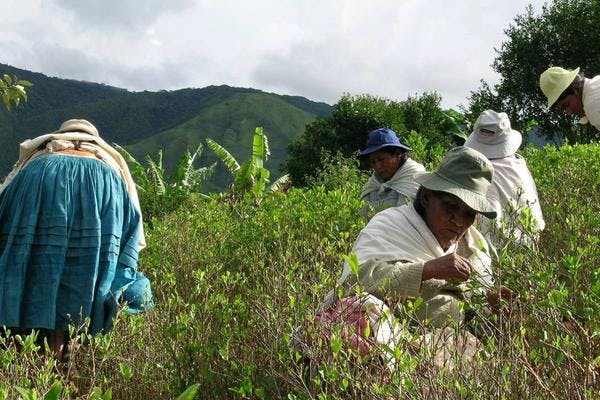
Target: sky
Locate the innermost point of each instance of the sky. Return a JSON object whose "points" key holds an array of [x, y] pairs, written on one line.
{"points": [[319, 49]]}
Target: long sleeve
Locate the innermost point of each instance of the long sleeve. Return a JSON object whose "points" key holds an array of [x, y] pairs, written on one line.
{"points": [[385, 279]]}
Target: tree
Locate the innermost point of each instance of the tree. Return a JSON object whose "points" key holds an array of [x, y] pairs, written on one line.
{"points": [[12, 90], [251, 176], [565, 34], [353, 117]]}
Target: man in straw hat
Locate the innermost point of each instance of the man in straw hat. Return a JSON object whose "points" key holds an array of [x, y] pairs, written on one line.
{"points": [[570, 91], [512, 190]]}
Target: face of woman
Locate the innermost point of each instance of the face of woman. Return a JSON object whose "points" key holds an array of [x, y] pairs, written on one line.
{"points": [[384, 164], [447, 216]]}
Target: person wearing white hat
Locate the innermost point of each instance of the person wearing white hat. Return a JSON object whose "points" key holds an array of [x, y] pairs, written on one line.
{"points": [[570, 91], [70, 233], [513, 189]]}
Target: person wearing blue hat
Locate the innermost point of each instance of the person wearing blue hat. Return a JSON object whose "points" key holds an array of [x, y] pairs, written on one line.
{"points": [[393, 180]]}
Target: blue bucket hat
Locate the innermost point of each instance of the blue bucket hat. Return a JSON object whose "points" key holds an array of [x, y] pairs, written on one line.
{"points": [[381, 138]]}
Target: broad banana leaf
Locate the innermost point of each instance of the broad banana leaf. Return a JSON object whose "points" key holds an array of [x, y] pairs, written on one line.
{"points": [[279, 184], [244, 177], [230, 162], [137, 170]]}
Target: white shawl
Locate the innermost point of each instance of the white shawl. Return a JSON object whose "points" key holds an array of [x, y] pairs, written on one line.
{"points": [[402, 182], [400, 233], [32, 148], [512, 190]]}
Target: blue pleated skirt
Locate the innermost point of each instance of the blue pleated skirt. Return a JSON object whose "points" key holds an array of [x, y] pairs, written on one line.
{"points": [[68, 244]]}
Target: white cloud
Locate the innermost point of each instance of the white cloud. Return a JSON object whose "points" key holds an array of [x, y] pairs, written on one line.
{"points": [[120, 14], [317, 49]]}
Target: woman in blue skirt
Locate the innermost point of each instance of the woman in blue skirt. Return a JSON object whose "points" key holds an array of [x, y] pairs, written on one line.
{"points": [[70, 233]]}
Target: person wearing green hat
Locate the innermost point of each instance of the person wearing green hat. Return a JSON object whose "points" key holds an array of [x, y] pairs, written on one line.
{"points": [[572, 92], [427, 249]]}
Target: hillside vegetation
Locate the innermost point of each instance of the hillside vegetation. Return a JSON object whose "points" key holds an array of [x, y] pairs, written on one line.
{"points": [[145, 122], [232, 281]]}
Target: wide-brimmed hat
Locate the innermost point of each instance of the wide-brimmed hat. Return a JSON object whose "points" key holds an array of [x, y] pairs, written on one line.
{"points": [[493, 137], [554, 81], [381, 138], [465, 173], [78, 125]]}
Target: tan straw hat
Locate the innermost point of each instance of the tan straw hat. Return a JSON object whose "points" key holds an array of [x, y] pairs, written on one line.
{"points": [[493, 137], [465, 173], [554, 81]]}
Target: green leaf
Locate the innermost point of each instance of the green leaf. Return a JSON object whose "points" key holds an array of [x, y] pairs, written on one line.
{"points": [[27, 394], [189, 393], [230, 162], [259, 148], [244, 177], [137, 170], [54, 392], [352, 261], [279, 184]]}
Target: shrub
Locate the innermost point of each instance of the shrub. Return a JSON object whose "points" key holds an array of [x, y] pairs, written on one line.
{"points": [[233, 281]]}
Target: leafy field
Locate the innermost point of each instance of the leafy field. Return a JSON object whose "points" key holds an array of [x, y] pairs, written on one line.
{"points": [[232, 281]]}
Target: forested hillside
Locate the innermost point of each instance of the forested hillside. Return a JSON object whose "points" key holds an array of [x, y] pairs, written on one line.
{"points": [[145, 122]]}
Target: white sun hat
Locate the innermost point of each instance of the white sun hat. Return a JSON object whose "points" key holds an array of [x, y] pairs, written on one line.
{"points": [[554, 81], [78, 125], [493, 137]]}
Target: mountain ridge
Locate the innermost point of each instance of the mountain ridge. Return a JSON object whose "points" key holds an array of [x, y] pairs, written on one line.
{"points": [[140, 121]]}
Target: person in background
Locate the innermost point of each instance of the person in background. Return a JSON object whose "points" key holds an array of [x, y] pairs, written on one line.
{"points": [[70, 233], [513, 189], [393, 180], [570, 91]]}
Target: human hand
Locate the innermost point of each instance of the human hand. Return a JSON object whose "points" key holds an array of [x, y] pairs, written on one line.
{"points": [[450, 266], [495, 297]]}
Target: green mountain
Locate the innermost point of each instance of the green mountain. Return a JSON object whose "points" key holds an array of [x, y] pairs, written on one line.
{"points": [[144, 122]]}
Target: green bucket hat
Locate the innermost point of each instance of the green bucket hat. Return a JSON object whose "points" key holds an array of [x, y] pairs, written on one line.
{"points": [[554, 81], [465, 173]]}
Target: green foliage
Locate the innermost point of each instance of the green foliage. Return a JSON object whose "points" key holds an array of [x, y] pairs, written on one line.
{"points": [[563, 34], [251, 176], [340, 173], [12, 90], [233, 282], [160, 194], [353, 117], [189, 393]]}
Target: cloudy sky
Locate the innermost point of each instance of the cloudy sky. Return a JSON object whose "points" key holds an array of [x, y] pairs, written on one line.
{"points": [[319, 49]]}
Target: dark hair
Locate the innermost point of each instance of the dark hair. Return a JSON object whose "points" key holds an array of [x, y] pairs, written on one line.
{"points": [[577, 84], [421, 192], [393, 151], [419, 208]]}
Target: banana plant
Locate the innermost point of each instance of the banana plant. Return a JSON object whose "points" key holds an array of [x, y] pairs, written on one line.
{"points": [[12, 90], [458, 125], [159, 193], [250, 176]]}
